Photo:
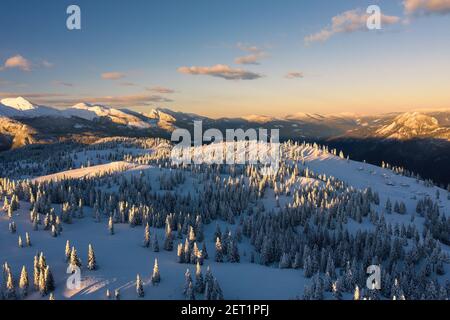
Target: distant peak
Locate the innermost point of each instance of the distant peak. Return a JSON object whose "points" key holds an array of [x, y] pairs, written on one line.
{"points": [[18, 103]]}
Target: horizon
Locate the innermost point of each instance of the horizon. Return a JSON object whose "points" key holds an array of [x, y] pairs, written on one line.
{"points": [[277, 61], [244, 116]]}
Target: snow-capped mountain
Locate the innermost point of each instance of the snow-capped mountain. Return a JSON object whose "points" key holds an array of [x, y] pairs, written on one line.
{"points": [[413, 125], [91, 112], [22, 108]]}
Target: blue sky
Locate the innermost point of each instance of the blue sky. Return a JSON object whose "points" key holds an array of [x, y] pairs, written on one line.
{"points": [[144, 46]]}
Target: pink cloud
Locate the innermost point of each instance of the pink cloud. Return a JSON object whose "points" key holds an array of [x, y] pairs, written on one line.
{"points": [[221, 71], [18, 62]]}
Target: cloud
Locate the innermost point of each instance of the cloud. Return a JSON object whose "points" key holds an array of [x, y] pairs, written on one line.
{"points": [[128, 84], [347, 22], [113, 75], [47, 64], [255, 55], [137, 99], [294, 75], [419, 7], [221, 71], [62, 83], [247, 48], [250, 59], [18, 62], [161, 90]]}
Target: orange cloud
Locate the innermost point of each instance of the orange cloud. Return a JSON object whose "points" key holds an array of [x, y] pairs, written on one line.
{"points": [[426, 6], [113, 75], [18, 62]]}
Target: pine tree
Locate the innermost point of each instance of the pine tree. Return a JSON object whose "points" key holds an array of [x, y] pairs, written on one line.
{"points": [[180, 253], [217, 290], [187, 282], [92, 263], [337, 289], [36, 273], [74, 261], [234, 256], [27, 239], [54, 232], [156, 278], [204, 251], [168, 241], [49, 281], [219, 251], [285, 261], [139, 287], [23, 282], [356, 294], [190, 295], [10, 212], [111, 226], [68, 251], [147, 241], [10, 290], [199, 283], [155, 244], [207, 291], [12, 227]]}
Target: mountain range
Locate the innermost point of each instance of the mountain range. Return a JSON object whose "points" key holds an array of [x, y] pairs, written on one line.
{"points": [[418, 140]]}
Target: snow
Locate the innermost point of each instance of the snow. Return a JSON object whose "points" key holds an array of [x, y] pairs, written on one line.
{"points": [[121, 257], [90, 112], [94, 171], [115, 252], [18, 104], [408, 125]]}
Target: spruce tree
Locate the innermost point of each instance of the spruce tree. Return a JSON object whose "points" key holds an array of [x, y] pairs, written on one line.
{"points": [[147, 240], [27, 239], [68, 251], [156, 277], [92, 263], [23, 282], [111, 226], [199, 282], [219, 251], [155, 243], [10, 290], [168, 241], [187, 282], [74, 261], [139, 287]]}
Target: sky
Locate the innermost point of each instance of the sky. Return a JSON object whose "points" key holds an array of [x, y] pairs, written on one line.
{"points": [[229, 58]]}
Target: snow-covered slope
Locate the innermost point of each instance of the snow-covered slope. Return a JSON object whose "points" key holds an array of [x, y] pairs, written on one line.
{"points": [[94, 171], [321, 182]]}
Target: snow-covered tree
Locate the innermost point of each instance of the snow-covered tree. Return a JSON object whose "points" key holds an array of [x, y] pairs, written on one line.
{"points": [[156, 277], [139, 287], [92, 263]]}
